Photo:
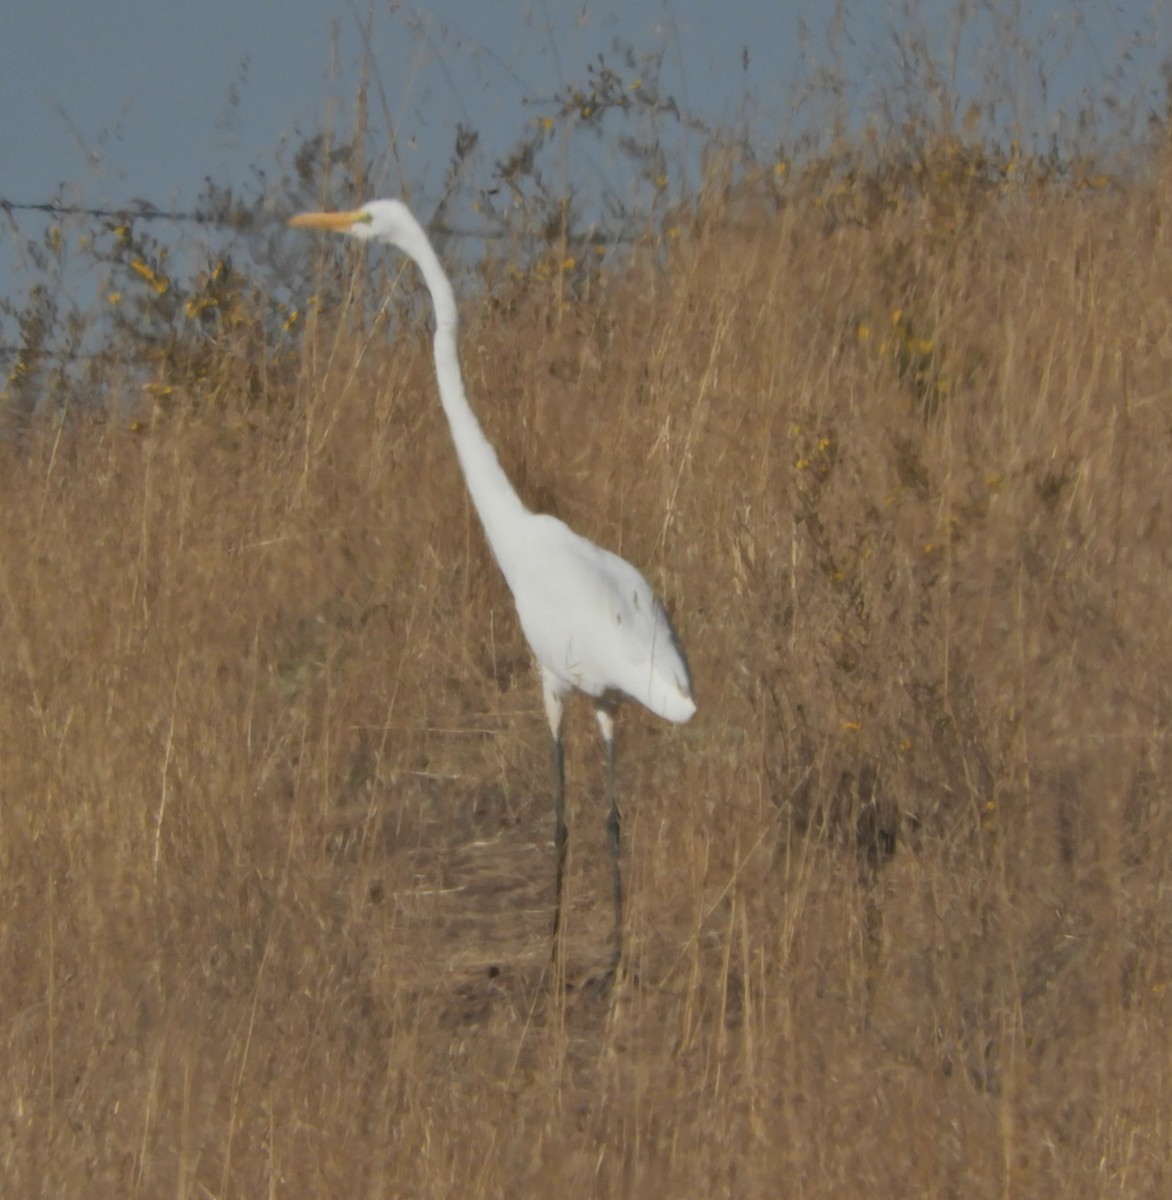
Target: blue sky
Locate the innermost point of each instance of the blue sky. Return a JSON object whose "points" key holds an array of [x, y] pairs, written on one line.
{"points": [[111, 102], [132, 97]]}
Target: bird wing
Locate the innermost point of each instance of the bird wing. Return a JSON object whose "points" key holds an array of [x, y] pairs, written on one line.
{"points": [[593, 620]]}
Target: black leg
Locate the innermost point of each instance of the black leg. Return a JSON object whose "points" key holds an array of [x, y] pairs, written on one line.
{"points": [[613, 830], [559, 836]]}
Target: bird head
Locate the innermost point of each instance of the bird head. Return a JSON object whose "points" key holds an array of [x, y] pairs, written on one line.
{"points": [[388, 221]]}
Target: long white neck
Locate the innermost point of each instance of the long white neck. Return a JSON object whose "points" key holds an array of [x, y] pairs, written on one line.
{"points": [[492, 494]]}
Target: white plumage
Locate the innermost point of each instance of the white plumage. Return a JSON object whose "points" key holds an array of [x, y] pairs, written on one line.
{"points": [[591, 619]]}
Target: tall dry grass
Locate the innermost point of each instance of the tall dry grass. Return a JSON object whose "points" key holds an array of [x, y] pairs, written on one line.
{"points": [[276, 828]]}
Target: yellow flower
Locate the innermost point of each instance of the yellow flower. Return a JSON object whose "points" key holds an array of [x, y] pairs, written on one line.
{"points": [[159, 283]]}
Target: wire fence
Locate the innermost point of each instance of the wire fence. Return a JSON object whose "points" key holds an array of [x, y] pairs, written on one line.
{"points": [[140, 211]]}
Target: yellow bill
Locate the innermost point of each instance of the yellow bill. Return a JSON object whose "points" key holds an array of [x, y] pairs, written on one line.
{"points": [[339, 221]]}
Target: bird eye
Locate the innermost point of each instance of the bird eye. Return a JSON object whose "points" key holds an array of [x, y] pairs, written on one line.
{"points": [[364, 217]]}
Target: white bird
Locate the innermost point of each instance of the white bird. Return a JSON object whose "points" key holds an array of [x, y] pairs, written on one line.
{"points": [[591, 619]]}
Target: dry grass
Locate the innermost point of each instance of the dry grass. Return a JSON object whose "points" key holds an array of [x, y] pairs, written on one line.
{"points": [[276, 832]]}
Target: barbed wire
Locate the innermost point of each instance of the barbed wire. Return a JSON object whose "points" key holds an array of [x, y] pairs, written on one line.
{"points": [[240, 218], [141, 210]]}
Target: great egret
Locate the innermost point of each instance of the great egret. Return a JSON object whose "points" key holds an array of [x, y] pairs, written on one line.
{"points": [[591, 619]]}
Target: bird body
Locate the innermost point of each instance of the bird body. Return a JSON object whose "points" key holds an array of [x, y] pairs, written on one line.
{"points": [[591, 619]]}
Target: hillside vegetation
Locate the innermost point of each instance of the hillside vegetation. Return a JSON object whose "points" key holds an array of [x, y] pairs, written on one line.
{"points": [[276, 862]]}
